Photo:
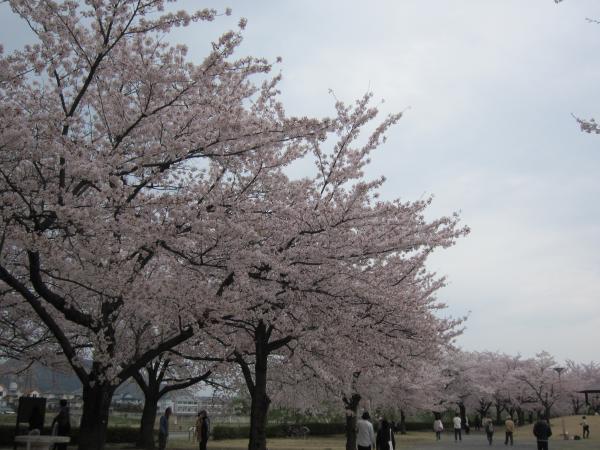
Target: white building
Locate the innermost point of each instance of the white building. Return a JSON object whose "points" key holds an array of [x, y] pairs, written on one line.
{"points": [[186, 404]]}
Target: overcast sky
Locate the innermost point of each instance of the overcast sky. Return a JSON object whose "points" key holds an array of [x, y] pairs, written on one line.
{"points": [[489, 89]]}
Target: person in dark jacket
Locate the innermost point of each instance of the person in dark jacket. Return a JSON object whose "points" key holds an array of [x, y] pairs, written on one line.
{"points": [[488, 426], [163, 429], [62, 424], [202, 430], [542, 431], [385, 435]]}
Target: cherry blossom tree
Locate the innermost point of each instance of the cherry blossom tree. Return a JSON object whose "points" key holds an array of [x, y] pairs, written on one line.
{"points": [[578, 377], [107, 135], [144, 201], [177, 369], [420, 389], [324, 258], [499, 373], [541, 380], [390, 383], [23, 339], [461, 383], [166, 373], [516, 396]]}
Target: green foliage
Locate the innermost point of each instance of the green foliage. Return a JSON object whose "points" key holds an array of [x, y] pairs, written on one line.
{"points": [[329, 413], [414, 426], [221, 432]]}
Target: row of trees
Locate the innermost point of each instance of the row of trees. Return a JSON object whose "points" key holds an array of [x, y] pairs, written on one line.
{"points": [[150, 229], [488, 382], [470, 383]]}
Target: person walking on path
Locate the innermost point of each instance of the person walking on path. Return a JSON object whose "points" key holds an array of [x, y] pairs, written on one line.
{"points": [[585, 427], [477, 422], [509, 426], [365, 436], [202, 429], [457, 423], [163, 429], [385, 437], [488, 426], [61, 425], [542, 431], [438, 427]]}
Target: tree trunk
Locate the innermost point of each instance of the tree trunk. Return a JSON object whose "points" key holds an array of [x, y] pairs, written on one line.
{"points": [[259, 407], [547, 412], [150, 385], [146, 438], [463, 414], [351, 406], [402, 422], [499, 410], [94, 419], [520, 417]]}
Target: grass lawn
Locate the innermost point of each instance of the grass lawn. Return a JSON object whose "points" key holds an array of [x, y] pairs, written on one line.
{"points": [[337, 442], [572, 427], [412, 441]]}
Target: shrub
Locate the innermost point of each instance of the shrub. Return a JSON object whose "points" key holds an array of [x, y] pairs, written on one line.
{"points": [[220, 432]]}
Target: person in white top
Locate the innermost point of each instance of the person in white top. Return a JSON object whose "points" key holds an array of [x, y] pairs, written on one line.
{"points": [[365, 436], [438, 427], [457, 428]]}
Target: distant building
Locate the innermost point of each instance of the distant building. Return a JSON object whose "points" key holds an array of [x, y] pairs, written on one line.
{"points": [[126, 401], [10, 397], [53, 399], [32, 393], [13, 389], [188, 404]]}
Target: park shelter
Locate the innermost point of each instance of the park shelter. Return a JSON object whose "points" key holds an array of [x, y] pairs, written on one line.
{"points": [[590, 391]]}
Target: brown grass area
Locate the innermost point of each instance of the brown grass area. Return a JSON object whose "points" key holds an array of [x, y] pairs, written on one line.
{"points": [[337, 442], [571, 426]]}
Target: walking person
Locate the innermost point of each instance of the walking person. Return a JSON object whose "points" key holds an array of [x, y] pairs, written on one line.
{"points": [[542, 432], [365, 436], [163, 429], [509, 428], [585, 427], [385, 437], [457, 423], [202, 429], [438, 427], [61, 425], [488, 426]]}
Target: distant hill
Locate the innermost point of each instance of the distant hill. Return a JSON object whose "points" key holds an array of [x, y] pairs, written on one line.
{"points": [[41, 378], [47, 380]]}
